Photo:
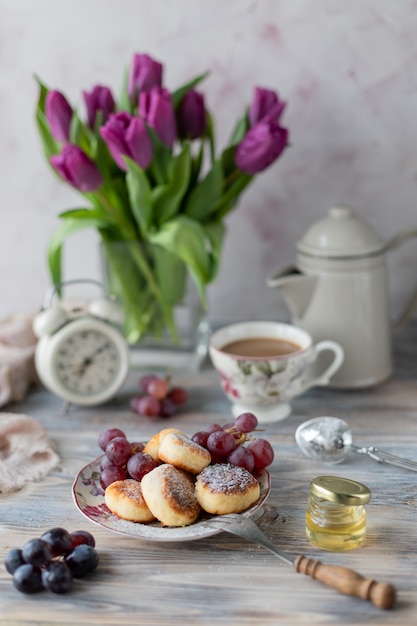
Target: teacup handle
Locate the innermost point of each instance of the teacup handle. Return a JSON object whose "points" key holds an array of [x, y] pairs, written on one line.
{"points": [[324, 378]]}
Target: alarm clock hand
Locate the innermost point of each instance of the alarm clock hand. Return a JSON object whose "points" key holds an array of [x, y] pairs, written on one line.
{"points": [[80, 369], [89, 359]]}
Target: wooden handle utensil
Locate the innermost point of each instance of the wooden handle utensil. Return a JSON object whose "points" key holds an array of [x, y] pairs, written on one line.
{"points": [[348, 581], [343, 579]]}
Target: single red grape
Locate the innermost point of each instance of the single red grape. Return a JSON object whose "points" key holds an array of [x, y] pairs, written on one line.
{"points": [[145, 380], [79, 537], [105, 463], [119, 450], [201, 438], [158, 388], [246, 422], [110, 475], [242, 457], [262, 451], [178, 395], [168, 407], [140, 464], [134, 404], [149, 406], [213, 428], [107, 435], [221, 443]]}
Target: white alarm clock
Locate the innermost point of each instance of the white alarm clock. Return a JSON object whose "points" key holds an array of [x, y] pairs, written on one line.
{"points": [[81, 355]]}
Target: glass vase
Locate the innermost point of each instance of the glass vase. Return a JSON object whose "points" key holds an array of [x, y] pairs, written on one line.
{"points": [[165, 322]]}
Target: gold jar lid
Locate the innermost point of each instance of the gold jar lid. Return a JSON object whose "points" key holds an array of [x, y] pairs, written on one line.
{"points": [[340, 490]]}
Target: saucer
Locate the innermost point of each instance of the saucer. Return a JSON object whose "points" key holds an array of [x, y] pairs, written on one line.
{"points": [[266, 414]]}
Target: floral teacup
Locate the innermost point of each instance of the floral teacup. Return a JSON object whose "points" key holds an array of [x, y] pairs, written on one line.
{"points": [[263, 365]]}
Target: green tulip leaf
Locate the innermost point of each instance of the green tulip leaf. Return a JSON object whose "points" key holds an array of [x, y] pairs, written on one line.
{"points": [[140, 196], [124, 103], [240, 130], [231, 196], [49, 145], [185, 238], [206, 194], [196, 163], [215, 232], [113, 200], [210, 136], [88, 214], [68, 227], [104, 161], [170, 272], [161, 158], [80, 135], [166, 199], [43, 92], [178, 94], [228, 161]]}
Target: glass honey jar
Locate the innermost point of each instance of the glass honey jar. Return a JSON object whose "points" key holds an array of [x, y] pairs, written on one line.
{"points": [[336, 516]]}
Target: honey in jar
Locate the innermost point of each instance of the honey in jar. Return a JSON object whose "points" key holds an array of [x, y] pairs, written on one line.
{"points": [[336, 516]]}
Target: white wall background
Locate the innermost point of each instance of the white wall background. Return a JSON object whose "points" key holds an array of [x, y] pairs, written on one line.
{"points": [[347, 69]]}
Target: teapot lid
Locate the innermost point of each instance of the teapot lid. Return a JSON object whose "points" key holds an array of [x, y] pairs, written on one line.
{"points": [[340, 234]]}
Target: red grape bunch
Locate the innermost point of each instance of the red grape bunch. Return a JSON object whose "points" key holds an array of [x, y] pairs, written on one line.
{"points": [[233, 444], [122, 459], [157, 397], [52, 561]]}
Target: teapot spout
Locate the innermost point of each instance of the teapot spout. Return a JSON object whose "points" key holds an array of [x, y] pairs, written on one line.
{"points": [[297, 289]]}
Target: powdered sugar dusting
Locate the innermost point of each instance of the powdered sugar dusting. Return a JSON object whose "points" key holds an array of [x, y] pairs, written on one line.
{"points": [[226, 478], [177, 487]]}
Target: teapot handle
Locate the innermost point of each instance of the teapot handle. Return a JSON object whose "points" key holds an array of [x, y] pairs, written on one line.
{"points": [[412, 303], [400, 238]]}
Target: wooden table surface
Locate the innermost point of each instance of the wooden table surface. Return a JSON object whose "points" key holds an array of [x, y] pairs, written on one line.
{"points": [[223, 579]]}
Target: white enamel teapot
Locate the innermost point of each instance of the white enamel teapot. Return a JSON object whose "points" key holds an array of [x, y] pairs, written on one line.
{"points": [[338, 290]]}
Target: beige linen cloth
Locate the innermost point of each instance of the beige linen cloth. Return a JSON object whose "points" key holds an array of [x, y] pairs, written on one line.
{"points": [[17, 349], [25, 451]]}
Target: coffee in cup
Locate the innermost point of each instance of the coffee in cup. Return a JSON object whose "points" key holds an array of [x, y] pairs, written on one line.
{"points": [[263, 365]]}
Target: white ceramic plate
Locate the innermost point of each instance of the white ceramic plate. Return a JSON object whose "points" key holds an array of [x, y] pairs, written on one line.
{"points": [[89, 499]]}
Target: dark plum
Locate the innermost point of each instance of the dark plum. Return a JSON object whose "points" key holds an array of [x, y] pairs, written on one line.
{"points": [[37, 552], [57, 577], [58, 539], [13, 560], [28, 578], [82, 560]]}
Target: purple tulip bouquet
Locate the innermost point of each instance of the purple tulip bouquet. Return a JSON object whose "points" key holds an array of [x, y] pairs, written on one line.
{"points": [[154, 188]]}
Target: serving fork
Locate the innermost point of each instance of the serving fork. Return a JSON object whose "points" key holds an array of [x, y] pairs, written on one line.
{"points": [[342, 579]]}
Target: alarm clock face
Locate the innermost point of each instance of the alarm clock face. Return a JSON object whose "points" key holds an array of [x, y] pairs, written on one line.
{"points": [[86, 362]]}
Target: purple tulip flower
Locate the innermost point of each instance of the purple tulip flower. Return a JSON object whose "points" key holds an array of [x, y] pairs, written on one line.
{"points": [[77, 168], [265, 105], [191, 116], [144, 74], [261, 146], [127, 135], [59, 114], [99, 99], [155, 107]]}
